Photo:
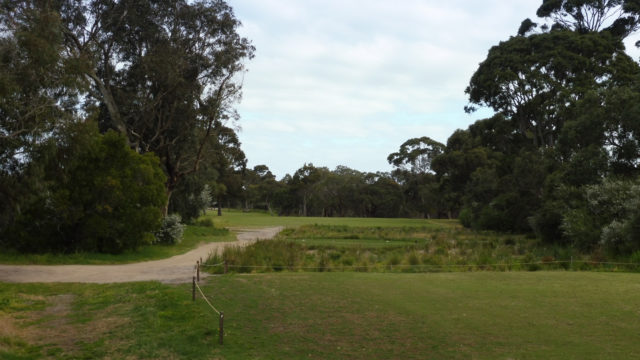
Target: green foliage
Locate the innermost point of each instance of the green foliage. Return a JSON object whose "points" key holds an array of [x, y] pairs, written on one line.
{"points": [[132, 66], [190, 199], [416, 154], [170, 233], [607, 216], [193, 237], [99, 196], [205, 222], [343, 192], [526, 78], [466, 217], [617, 17]]}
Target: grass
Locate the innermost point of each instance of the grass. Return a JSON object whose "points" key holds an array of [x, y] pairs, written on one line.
{"points": [[258, 219], [421, 248], [193, 236], [485, 315]]}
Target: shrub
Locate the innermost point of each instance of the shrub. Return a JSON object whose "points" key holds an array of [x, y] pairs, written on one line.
{"points": [[171, 231], [466, 217], [206, 222], [413, 259], [530, 262], [98, 196]]}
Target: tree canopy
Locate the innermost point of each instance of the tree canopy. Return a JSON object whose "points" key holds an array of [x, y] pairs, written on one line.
{"points": [[164, 74]]}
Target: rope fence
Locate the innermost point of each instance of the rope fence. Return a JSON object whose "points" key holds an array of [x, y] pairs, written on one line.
{"points": [[425, 266], [207, 300], [195, 286], [214, 265]]}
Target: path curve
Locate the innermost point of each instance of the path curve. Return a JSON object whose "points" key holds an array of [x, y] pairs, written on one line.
{"points": [[174, 270]]}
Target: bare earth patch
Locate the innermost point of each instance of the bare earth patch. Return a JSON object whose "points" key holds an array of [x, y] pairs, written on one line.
{"points": [[177, 269], [52, 327]]}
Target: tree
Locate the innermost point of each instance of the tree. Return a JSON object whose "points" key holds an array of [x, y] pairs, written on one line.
{"points": [[260, 185], [618, 17], [416, 155], [532, 80], [607, 216], [37, 94], [96, 195], [163, 73], [302, 182], [222, 161]]}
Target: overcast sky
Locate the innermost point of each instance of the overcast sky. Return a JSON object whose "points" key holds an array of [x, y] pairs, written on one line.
{"points": [[346, 82]]}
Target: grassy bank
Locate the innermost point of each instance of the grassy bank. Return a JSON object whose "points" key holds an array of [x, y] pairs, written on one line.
{"points": [[487, 315], [193, 236], [425, 248]]}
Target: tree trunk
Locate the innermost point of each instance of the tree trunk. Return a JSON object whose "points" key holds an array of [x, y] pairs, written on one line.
{"points": [[111, 105], [219, 207], [165, 210], [304, 205]]}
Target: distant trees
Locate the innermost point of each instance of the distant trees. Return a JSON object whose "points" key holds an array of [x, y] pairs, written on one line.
{"points": [[414, 172]]}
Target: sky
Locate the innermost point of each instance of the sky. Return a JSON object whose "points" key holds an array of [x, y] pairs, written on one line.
{"points": [[346, 82]]}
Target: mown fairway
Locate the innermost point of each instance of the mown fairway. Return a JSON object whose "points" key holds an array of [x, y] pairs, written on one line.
{"points": [[484, 315], [235, 218], [339, 315]]}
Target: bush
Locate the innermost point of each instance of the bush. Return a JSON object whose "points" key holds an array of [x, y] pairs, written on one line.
{"points": [[206, 222], [466, 217], [171, 231], [98, 196]]}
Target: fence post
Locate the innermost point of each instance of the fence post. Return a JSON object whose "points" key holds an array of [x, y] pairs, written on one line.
{"points": [[193, 289], [220, 340], [198, 270]]}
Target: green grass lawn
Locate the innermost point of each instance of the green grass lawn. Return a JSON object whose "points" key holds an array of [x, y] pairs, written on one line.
{"points": [[258, 219], [486, 315], [193, 236]]}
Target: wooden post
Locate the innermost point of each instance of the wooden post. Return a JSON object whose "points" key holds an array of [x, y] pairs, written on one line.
{"points": [[193, 289], [198, 270], [225, 267], [220, 340]]}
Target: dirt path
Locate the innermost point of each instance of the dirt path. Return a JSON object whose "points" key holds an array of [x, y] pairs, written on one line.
{"points": [[177, 269]]}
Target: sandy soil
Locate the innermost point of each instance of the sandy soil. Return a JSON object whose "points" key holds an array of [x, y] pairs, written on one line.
{"points": [[177, 269]]}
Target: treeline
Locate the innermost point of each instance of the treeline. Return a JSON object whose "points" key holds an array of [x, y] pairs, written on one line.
{"points": [[560, 158], [343, 192]]}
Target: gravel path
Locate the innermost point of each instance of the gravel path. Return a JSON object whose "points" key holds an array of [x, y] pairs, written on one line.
{"points": [[177, 269]]}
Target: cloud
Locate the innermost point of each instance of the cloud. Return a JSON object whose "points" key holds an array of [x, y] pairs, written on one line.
{"points": [[346, 82]]}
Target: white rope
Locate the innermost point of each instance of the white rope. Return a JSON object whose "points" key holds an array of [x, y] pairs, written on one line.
{"points": [[203, 265], [207, 300]]}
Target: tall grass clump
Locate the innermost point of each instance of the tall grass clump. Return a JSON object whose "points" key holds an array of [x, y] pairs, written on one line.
{"points": [[327, 248]]}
